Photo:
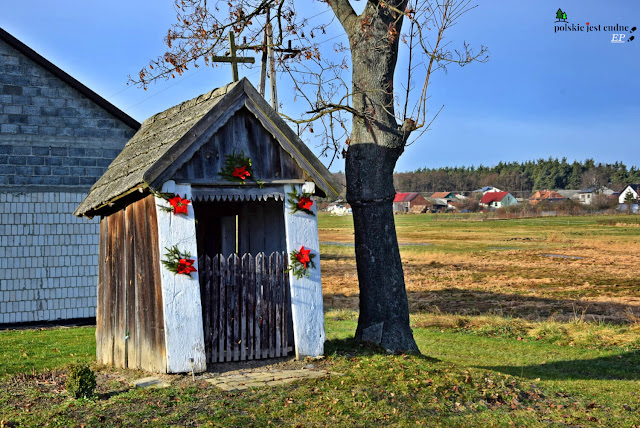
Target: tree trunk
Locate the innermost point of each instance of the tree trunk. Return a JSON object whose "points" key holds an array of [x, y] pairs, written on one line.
{"points": [[384, 308], [376, 143]]}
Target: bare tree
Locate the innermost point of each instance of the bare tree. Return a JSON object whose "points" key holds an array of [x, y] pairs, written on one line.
{"points": [[382, 118]]}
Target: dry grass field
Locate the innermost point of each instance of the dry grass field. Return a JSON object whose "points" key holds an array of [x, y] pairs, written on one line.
{"points": [[555, 268]]}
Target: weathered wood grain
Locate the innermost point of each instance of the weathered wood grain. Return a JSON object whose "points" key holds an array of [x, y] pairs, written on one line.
{"points": [[242, 299], [277, 280], [258, 319], [251, 299]]}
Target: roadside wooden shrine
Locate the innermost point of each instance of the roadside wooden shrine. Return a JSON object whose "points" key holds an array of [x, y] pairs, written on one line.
{"points": [[208, 238]]}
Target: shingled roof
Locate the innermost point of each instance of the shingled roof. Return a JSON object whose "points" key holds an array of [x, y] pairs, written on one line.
{"points": [[168, 139]]}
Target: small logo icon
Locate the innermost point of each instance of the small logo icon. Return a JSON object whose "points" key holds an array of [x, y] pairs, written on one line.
{"points": [[561, 16]]}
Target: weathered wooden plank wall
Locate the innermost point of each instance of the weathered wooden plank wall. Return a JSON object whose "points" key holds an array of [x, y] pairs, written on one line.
{"points": [[129, 318], [244, 133], [246, 309]]}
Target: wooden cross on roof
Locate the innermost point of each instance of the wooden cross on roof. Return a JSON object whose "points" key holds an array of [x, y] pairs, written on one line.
{"points": [[232, 58]]}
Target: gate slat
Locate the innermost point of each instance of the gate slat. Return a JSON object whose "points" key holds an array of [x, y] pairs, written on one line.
{"points": [[265, 308], [259, 312], [226, 315], [286, 306], [214, 274], [272, 308], [251, 285], [205, 292], [278, 304], [244, 278], [236, 307]]}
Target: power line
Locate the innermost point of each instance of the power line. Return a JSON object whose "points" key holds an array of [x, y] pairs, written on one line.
{"points": [[168, 87]]}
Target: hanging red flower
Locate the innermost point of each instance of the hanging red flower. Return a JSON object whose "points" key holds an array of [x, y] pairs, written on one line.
{"points": [[179, 204], [185, 266], [301, 262], [305, 203], [241, 172], [177, 262], [302, 202], [303, 256]]}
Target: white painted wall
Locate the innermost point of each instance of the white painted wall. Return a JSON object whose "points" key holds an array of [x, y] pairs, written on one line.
{"points": [[184, 335], [306, 293]]}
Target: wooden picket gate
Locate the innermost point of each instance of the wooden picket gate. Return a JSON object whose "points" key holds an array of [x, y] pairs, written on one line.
{"points": [[245, 307]]}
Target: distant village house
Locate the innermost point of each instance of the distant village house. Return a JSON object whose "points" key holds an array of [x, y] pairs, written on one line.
{"points": [[410, 202], [546, 196], [497, 200]]}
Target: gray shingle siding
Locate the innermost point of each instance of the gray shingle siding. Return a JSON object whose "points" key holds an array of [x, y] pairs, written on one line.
{"points": [[55, 142]]}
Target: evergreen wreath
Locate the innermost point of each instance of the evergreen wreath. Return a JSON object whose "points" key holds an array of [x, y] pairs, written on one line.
{"points": [[300, 262], [238, 168], [302, 202], [177, 262]]}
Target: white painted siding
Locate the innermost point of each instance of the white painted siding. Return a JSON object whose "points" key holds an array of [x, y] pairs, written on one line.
{"points": [[184, 335], [306, 293]]}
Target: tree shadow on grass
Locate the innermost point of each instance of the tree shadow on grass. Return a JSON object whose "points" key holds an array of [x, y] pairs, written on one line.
{"points": [[351, 347], [614, 367]]}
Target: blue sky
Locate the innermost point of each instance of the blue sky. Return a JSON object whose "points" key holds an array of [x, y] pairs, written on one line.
{"points": [[566, 94]]}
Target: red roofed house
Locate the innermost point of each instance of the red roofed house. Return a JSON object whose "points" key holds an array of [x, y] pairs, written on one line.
{"points": [[546, 195], [497, 200], [444, 195], [412, 201]]}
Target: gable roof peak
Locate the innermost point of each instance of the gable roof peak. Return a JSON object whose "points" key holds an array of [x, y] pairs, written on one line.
{"points": [[170, 138]]}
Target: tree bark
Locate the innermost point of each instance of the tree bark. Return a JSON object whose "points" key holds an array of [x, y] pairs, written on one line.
{"points": [[384, 308], [376, 143]]}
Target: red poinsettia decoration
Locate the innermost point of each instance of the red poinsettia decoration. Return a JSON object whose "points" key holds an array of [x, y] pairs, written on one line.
{"points": [[185, 266], [303, 256], [241, 172], [301, 262], [179, 204], [178, 262], [300, 202], [305, 203]]}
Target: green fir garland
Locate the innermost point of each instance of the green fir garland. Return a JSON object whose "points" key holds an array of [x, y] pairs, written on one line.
{"points": [[301, 202], [177, 262], [300, 262], [238, 168]]}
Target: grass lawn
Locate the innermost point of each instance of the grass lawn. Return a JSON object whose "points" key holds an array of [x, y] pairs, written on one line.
{"points": [[509, 336], [463, 379]]}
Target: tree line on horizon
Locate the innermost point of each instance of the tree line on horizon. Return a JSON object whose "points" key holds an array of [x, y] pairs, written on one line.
{"points": [[517, 177]]}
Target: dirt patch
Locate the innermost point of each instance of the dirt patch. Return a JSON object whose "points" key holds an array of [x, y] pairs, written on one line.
{"points": [[596, 278]]}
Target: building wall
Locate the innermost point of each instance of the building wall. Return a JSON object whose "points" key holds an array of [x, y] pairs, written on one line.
{"points": [[54, 144], [48, 258]]}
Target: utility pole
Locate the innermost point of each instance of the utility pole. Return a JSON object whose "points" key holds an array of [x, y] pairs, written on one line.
{"points": [[263, 65], [272, 67]]}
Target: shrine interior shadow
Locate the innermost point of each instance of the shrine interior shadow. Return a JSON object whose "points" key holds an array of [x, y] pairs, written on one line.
{"points": [[623, 366]]}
